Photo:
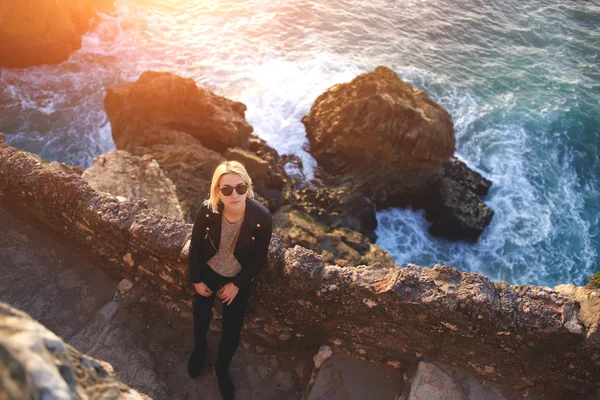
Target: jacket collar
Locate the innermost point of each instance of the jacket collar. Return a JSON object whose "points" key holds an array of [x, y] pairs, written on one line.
{"points": [[216, 219]]}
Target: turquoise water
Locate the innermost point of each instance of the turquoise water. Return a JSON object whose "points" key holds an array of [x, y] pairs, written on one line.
{"points": [[521, 81]]}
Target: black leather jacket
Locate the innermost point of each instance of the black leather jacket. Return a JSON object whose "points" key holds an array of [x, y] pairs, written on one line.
{"points": [[251, 247]]}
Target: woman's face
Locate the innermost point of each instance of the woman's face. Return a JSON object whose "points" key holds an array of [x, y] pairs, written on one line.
{"points": [[234, 200]]}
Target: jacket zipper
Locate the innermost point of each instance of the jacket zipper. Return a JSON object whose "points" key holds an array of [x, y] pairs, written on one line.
{"points": [[211, 242]]}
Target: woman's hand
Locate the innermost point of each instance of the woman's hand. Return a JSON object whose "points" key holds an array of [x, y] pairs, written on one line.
{"points": [[202, 289], [228, 293]]}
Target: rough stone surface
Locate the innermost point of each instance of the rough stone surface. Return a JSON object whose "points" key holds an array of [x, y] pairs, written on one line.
{"points": [[35, 363], [148, 342], [515, 335], [124, 286], [380, 120], [122, 174], [430, 382], [407, 141], [348, 378], [323, 354], [51, 33], [340, 246], [171, 105]]}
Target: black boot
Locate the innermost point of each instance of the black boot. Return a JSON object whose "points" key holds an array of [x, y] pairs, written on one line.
{"points": [[225, 382], [196, 362]]}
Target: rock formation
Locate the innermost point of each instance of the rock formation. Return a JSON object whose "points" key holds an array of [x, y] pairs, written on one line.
{"points": [[523, 336], [378, 120], [35, 363], [169, 105], [122, 174], [380, 137], [189, 130], [34, 32]]}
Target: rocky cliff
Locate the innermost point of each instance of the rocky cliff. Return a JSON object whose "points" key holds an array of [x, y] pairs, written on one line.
{"points": [[36, 364], [36, 32], [523, 336]]}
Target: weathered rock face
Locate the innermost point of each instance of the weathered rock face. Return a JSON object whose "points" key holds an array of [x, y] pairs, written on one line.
{"points": [[340, 246], [189, 167], [35, 363], [337, 207], [34, 32], [165, 102], [521, 336], [344, 377], [122, 174], [189, 130], [378, 120], [379, 137]]}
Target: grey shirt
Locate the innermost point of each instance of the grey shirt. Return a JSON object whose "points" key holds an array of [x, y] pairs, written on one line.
{"points": [[224, 262]]}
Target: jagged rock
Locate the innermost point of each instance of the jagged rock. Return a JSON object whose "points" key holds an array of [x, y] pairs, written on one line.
{"points": [[120, 173], [109, 310], [337, 207], [51, 33], [189, 130], [166, 102], [124, 286], [455, 210], [66, 168], [256, 167], [343, 377], [341, 246], [430, 382], [517, 335], [379, 137], [378, 119], [35, 363], [189, 167], [323, 354]]}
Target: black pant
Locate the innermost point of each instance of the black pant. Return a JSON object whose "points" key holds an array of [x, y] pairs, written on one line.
{"points": [[233, 317]]}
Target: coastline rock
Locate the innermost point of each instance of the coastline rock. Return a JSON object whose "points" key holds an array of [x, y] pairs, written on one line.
{"points": [[379, 137], [520, 336], [36, 32], [189, 130], [340, 246], [337, 207], [189, 166], [121, 174], [379, 120], [164, 103], [35, 363]]}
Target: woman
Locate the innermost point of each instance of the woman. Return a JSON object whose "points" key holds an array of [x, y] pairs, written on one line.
{"points": [[229, 246]]}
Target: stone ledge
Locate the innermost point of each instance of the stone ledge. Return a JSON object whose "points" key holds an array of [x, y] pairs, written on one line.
{"points": [[513, 334]]}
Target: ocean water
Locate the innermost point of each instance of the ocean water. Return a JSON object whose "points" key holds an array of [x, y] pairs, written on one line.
{"points": [[521, 81]]}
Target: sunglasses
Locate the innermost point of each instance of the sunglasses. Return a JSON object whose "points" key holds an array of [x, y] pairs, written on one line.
{"points": [[227, 190]]}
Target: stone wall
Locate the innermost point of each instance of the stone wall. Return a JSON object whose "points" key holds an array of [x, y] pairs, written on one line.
{"points": [[522, 336]]}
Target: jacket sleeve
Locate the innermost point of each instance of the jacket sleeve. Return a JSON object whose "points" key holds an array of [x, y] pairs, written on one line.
{"points": [[259, 255], [196, 248]]}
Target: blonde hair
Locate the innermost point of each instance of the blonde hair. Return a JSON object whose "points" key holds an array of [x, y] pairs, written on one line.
{"points": [[227, 167]]}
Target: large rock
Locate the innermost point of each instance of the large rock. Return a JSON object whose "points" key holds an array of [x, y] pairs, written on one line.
{"points": [[378, 119], [164, 103], [189, 130], [35, 363], [343, 377], [34, 32], [189, 167], [340, 246], [122, 174], [379, 137]]}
